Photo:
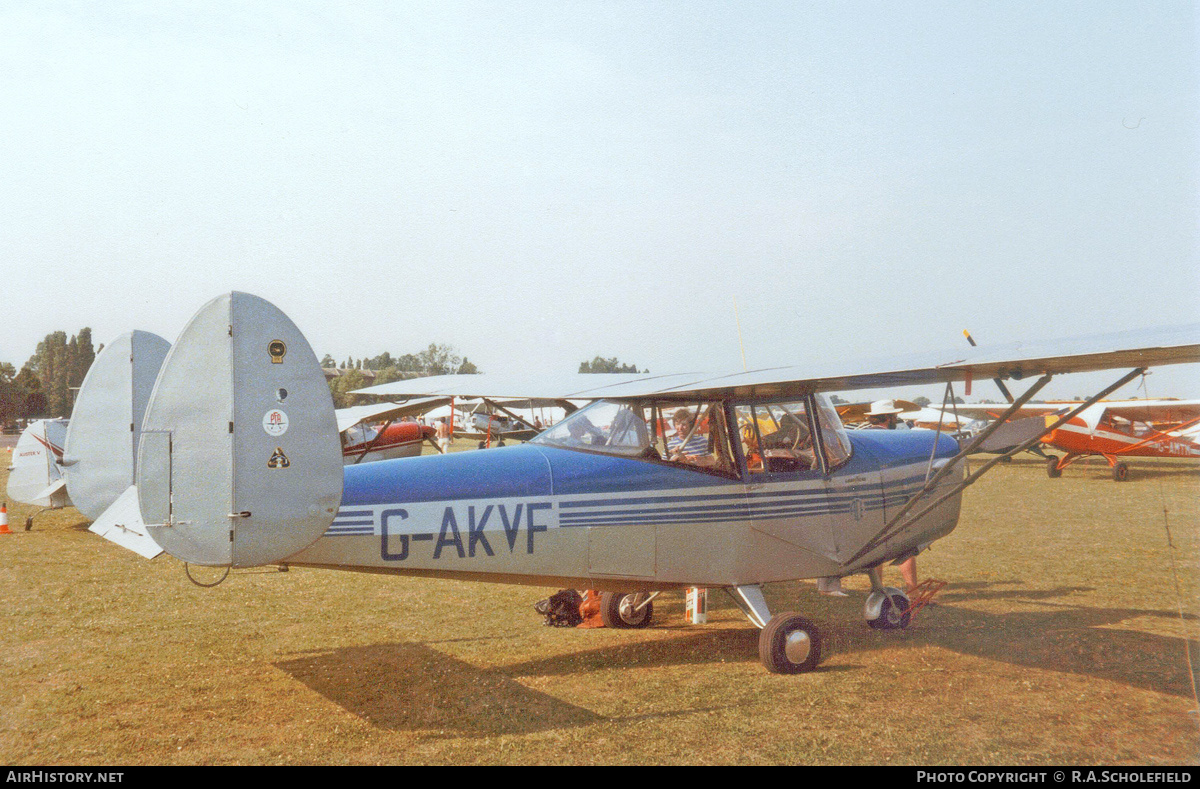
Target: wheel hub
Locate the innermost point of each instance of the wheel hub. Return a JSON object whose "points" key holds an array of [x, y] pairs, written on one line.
{"points": [[797, 646], [627, 608]]}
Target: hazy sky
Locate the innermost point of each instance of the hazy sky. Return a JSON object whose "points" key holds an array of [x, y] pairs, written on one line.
{"points": [[539, 183]]}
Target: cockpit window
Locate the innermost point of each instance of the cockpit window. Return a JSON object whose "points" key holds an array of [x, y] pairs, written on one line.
{"points": [[358, 434], [777, 438], [833, 433], [690, 434]]}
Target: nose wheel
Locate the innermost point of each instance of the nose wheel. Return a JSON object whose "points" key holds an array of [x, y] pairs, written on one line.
{"points": [[888, 609]]}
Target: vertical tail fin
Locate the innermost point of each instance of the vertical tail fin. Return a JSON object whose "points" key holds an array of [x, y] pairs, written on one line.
{"points": [[102, 438], [240, 462]]}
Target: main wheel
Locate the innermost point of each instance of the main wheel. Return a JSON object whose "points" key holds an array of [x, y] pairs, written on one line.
{"points": [[1052, 468], [620, 610], [1120, 472], [789, 644], [893, 611]]}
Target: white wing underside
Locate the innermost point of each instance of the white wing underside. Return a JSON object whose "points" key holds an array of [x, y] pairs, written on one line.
{"points": [[349, 417], [1156, 411], [1130, 349]]}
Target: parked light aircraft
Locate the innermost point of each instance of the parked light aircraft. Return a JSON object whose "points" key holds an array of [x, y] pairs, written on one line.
{"points": [[35, 476], [606, 499], [92, 457], [1113, 429], [371, 432], [491, 421]]}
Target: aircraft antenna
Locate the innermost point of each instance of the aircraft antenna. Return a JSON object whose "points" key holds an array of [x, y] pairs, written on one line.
{"points": [[741, 345]]}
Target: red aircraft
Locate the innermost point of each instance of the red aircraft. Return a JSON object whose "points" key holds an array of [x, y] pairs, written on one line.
{"points": [[1112, 429]]}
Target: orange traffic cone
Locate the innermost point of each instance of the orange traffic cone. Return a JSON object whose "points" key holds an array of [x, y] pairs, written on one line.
{"points": [[4, 518]]}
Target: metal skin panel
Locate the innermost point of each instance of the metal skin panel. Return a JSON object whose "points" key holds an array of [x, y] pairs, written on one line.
{"points": [[528, 513], [35, 464], [626, 551], [106, 420], [154, 463], [245, 489], [903, 476]]}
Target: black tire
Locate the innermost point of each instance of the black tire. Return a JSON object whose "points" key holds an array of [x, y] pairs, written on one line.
{"points": [[1052, 469], [610, 611], [1120, 472], [789, 644], [890, 616]]}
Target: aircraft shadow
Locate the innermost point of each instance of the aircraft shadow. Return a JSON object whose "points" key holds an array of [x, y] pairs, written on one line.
{"points": [[412, 687], [1066, 638]]}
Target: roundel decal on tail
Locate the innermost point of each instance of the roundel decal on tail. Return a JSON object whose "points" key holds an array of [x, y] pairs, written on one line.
{"points": [[226, 476]]}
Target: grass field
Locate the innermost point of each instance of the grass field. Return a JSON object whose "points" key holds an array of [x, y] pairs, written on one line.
{"points": [[1057, 640]]}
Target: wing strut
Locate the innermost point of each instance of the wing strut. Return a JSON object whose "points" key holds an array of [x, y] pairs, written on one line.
{"points": [[371, 444], [890, 529]]}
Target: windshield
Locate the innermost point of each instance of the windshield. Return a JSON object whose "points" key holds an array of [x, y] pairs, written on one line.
{"points": [[687, 433], [358, 434]]}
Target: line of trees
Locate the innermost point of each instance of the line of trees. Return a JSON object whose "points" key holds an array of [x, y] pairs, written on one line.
{"points": [[602, 365], [437, 359], [43, 386]]}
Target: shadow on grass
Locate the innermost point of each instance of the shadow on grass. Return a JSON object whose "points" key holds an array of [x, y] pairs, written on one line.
{"points": [[414, 687], [954, 592], [411, 687], [1066, 638]]}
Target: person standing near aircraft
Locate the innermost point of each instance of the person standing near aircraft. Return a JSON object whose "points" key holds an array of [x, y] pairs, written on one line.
{"points": [[444, 435], [884, 415]]}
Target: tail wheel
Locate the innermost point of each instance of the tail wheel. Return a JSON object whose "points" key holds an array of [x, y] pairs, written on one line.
{"points": [[621, 610], [1052, 468], [1120, 472], [893, 613], [789, 644]]}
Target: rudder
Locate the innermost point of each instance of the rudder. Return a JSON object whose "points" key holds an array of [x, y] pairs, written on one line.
{"points": [[240, 462]]}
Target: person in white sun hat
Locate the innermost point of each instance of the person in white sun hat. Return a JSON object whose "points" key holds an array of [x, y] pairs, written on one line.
{"points": [[884, 415]]}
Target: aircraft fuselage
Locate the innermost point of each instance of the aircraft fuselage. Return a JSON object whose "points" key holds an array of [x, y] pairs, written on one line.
{"points": [[547, 515]]}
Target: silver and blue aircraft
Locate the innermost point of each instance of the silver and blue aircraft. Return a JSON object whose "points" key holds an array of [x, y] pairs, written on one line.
{"points": [[662, 483]]}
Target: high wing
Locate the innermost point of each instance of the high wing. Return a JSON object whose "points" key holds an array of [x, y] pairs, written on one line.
{"points": [[993, 410], [349, 417], [1158, 412], [1134, 349], [521, 387]]}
